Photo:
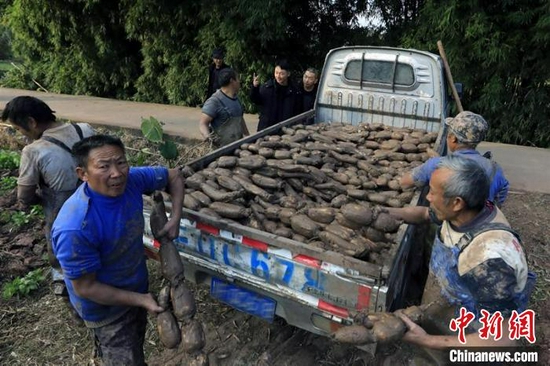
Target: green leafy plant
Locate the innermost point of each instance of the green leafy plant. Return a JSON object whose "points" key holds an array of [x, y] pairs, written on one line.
{"points": [[22, 286], [151, 128], [7, 184], [37, 211], [9, 159], [4, 217], [18, 219]]}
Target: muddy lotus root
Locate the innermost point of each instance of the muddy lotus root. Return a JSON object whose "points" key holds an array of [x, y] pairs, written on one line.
{"points": [[379, 327], [183, 301], [169, 332], [192, 336], [298, 184]]}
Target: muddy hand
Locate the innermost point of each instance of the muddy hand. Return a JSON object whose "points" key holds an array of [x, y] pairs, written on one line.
{"points": [[150, 304], [171, 230], [414, 332]]}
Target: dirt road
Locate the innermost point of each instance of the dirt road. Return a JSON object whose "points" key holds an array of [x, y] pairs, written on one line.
{"points": [[178, 120]]}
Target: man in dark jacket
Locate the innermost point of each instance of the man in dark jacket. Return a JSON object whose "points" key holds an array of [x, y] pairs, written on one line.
{"points": [[308, 88], [279, 98], [214, 69]]}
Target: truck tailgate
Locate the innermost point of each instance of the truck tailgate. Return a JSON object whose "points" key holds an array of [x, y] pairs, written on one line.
{"points": [[235, 257]]}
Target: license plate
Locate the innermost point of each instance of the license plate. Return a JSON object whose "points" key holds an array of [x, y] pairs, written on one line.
{"points": [[243, 299]]}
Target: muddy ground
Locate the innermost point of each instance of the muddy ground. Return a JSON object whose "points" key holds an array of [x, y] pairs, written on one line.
{"points": [[39, 330]]}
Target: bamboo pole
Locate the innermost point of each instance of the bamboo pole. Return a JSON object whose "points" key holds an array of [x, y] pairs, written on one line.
{"points": [[449, 76]]}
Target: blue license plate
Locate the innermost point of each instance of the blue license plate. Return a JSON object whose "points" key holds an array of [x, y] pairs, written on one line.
{"points": [[243, 300]]}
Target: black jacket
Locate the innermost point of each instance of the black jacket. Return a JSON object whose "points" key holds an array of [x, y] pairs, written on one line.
{"points": [[308, 98], [277, 102], [213, 82], [308, 102]]}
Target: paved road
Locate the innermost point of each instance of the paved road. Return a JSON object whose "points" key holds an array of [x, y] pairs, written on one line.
{"points": [[527, 168], [179, 121]]}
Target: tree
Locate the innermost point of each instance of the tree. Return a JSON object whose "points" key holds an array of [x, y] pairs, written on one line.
{"points": [[158, 50], [500, 51], [76, 47]]}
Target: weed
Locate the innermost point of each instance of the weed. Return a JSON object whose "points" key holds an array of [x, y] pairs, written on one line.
{"points": [[22, 286], [7, 184], [37, 211], [4, 217], [139, 158], [9, 159], [18, 219]]}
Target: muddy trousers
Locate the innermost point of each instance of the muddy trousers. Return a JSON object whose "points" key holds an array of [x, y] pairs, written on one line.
{"points": [[121, 342]]}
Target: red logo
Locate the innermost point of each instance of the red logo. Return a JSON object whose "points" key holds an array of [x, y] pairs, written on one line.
{"points": [[492, 325], [462, 323], [519, 325], [523, 325]]}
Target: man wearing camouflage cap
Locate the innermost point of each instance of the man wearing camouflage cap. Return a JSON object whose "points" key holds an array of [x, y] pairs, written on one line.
{"points": [[466, 131]]}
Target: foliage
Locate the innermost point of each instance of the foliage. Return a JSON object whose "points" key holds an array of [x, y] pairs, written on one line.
{"points": [[395, 18], [9, 159], [158, 51], [152, 131], [22, 286], [500, 50], [7, 184], [76, 47], [5, 36], [37, 211], [19, 219]]}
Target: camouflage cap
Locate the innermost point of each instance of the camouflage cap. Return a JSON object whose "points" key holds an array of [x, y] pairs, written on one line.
{"points": [[468, 127]]}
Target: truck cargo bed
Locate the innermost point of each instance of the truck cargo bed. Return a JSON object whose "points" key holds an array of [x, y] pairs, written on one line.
{"points": [[313, 288]]}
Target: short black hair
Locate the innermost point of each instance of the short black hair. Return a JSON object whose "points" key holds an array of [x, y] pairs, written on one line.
{"points": [[218, 52], [20, 109], [81, 150], [283, 64], [225, 76], [313, 71]]}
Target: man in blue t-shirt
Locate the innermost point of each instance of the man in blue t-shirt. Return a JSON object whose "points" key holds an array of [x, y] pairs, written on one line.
{"points": [[466, 131], [97, 238]]}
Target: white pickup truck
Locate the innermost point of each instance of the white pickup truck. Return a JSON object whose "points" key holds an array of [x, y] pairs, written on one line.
{"points": [[314, 289]]}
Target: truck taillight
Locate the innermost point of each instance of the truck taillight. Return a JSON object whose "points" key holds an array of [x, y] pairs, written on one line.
{"points": [[333, 309], [363, 297]]}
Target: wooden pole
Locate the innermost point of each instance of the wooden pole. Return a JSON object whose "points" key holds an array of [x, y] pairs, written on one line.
{"points": [[449, 76]]}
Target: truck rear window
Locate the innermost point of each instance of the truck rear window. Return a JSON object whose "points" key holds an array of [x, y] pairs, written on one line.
{"points": [[380, 72]]}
